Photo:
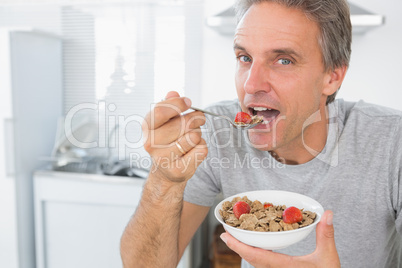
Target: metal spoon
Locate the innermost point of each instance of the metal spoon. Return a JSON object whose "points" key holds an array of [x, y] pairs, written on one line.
{"points": [[232, 122]]}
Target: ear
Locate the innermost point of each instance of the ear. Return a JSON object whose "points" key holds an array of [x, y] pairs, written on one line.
{"points": [[334, 79]]}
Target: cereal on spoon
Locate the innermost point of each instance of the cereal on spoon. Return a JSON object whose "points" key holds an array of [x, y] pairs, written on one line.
{"points": [[243, 118]]}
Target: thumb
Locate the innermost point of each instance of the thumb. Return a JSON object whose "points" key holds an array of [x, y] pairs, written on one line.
{"points": [[325, 233], [172, 94]]}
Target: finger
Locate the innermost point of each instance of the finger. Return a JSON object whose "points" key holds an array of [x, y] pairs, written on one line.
{"points": [[172, 94], [256, 256], [179, 147], [181, 168], [177, 127], [164, 111], [325, 234], [192, 159], [187, 142]]}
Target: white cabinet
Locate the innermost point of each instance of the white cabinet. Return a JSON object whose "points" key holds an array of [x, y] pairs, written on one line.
{"points": [[79, 219]]}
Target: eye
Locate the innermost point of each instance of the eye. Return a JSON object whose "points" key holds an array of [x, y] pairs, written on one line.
{"points": [[244, 58], [284, 61]]}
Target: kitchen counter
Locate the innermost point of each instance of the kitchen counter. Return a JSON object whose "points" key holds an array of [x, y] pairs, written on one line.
{"points": [[79, 218], [62, 175]]}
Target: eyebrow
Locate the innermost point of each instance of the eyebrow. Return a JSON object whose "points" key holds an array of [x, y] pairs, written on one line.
{"points": [[287, 51], [238, 47]]}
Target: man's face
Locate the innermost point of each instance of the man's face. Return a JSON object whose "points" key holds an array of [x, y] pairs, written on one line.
{"points": [[280, 70]]}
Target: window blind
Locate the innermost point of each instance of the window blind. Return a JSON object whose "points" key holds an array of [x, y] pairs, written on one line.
{"points": [[119, 56]]}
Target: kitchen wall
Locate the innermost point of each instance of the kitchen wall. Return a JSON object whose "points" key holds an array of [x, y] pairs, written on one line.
{"points": [[374, 68], [218, 59]]}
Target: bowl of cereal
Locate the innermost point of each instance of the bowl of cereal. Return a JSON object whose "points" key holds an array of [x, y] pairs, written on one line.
{"points": [[269, 219]]}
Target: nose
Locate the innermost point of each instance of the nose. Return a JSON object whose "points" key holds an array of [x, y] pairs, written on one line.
{"points": [[257, 79]]}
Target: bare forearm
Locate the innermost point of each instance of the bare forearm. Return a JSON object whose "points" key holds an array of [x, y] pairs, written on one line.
{"points": [[151, 237]]}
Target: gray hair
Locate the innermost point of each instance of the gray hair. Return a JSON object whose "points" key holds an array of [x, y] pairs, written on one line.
{"points": [[333, 18]]}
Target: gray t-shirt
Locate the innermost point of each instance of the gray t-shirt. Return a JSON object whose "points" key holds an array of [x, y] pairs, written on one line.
{"points": [[358, 176]]}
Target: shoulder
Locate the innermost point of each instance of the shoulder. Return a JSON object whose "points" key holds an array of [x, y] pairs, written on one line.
{"points": [[371, 127], [227, 107], [373, 110], [368, 114]]}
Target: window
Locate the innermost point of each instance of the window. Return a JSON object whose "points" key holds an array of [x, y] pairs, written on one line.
{"points": [[121, 56]]}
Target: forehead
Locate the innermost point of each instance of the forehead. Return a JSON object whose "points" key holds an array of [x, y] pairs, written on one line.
{"points": [[269, 24]]}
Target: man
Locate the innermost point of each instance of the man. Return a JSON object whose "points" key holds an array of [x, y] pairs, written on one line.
{"points": [[292, 57]]}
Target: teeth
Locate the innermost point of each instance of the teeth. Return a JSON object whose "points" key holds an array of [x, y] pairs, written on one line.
{"points": [[261, 109]]}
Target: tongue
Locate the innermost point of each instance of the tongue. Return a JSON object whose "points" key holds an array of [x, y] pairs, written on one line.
{"points": [[268, 114]]}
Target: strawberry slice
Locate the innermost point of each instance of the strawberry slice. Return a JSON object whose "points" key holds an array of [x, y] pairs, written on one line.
{"points": [[242, 117], [241, 208], [292, 215], [267, 205]]}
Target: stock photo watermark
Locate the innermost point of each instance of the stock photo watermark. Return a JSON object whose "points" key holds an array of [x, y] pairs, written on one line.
{"points": [[112, 124]]}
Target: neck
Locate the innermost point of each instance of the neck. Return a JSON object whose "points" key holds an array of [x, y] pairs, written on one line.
{"points": [[309, 144]]}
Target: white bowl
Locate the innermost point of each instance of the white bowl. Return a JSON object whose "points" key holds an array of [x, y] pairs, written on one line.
{"points": [[274, 240]]}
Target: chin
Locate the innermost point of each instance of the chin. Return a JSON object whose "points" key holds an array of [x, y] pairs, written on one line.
{"points": [[262, 141]]}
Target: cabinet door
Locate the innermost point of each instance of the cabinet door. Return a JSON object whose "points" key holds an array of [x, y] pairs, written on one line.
{"points": [[83, 235], [79, 222]]}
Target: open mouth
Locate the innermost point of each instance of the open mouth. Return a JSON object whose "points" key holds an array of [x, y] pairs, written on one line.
{"points": [[267, 113]]}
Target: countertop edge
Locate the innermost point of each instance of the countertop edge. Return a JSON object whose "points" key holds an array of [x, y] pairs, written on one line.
{"points": [[89, 177]]}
